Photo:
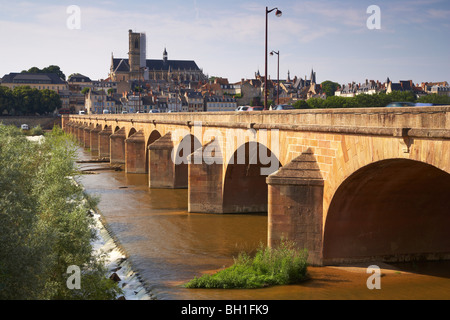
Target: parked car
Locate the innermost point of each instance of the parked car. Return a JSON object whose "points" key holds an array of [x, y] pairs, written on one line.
{"points": [[400, 104], [255, 108], [421, 104], [124, 112], [154, 111], [24, 127], [242, 108], [81, 112], [283, 107]]}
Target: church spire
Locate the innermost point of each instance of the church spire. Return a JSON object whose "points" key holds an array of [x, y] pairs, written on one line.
{"points": [[165, 55], [313, 76]]}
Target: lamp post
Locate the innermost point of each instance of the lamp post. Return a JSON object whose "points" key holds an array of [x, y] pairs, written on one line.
{"points": [[278, 13], [278, 74]]}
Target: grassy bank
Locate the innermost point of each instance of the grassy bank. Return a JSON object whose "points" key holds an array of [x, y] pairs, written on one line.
{"points": [[282, 265], [45, 227]]}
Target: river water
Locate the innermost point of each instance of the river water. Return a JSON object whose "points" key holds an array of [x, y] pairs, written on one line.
{"points": [[168, 246]]}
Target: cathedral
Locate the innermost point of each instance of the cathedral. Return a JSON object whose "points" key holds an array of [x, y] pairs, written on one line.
{"points": [[138, 67]]}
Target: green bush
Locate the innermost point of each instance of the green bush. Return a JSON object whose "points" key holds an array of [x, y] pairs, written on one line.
{"points": [[270, 266], [44, 222]]}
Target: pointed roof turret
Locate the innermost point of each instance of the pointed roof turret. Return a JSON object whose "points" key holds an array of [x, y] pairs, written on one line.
{"points": [[165, 55]]}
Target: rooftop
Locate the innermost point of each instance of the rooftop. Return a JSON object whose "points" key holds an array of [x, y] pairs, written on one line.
{"points": [[24, 78]]}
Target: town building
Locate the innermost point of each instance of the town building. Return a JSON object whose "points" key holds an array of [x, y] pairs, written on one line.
{"points": [[99, 102], [440, 90], [194, 101], [220, 103]]}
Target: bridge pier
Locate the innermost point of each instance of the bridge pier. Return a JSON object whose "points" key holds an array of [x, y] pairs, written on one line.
{"points": [[161, 168], [79, 132], [87, 136], [94, 139], [118, 147], [67, 127], [295, 210], [205, 181], [135, 155], [104, 143]]}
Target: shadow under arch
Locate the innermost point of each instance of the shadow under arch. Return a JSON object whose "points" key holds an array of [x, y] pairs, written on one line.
{"points": [[391, 210], [154, 135], [131, 132], [245, 188], [186, 147]]}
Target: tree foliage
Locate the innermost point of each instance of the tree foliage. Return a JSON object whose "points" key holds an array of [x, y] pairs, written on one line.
{"points": [[435, 99], [44, 222], [380, 99], [25, 100], [329, 87], [50, 69]]}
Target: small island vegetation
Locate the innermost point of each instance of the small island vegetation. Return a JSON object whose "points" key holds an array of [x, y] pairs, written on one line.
{"points": [[281, 265]]}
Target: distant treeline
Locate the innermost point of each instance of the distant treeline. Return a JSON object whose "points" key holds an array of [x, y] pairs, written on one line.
{"points": [[25, 100], [381, 99]]}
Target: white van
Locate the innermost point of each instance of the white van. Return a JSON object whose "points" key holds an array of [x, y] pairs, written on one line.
{"points": [[81, 112]]}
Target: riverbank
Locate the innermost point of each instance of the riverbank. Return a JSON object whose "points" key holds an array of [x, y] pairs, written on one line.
{"points": [[118, 263], [114, 258]]}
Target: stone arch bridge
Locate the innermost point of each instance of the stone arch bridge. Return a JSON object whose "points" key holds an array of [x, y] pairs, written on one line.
{"points": [[349, 185]]}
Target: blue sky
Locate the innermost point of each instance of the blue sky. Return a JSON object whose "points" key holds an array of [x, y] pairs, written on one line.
{"points": [[227, 38]]}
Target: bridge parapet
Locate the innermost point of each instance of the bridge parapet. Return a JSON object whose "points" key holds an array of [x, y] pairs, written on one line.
{"points": [[436, 117]]}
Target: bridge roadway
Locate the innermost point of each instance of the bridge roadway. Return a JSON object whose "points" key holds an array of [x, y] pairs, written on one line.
{"points": [[346, 184]]}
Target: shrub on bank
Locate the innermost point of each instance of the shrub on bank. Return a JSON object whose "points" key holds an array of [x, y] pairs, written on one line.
{"points": [[282, 265], [44, 222]]}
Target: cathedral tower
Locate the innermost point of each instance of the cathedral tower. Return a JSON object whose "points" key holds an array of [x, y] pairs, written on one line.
{"points": [[134, 53]]}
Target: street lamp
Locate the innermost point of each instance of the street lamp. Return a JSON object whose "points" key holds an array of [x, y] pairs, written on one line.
{"points": [[278, 13], [278, 74]]}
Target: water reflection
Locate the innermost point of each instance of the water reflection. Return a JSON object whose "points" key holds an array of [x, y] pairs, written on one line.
{"points": [[168, 246]]}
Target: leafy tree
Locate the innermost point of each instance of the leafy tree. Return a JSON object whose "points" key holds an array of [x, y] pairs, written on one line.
{"points": [[44, 222], [301, 104], [435, 99], [50, 101], [24, 100], [50, 69], [6, 100], [407, 96], [329, 87], [334, 102], [315, 103]]}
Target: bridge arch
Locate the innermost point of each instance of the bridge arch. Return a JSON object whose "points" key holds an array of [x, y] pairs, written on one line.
{"points": [[131, 132], [393, 210], [244, 186], [188, 144], [153, 137]]}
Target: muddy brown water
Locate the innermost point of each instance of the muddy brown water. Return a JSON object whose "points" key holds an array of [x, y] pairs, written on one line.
{"points": [[168, 246]]}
